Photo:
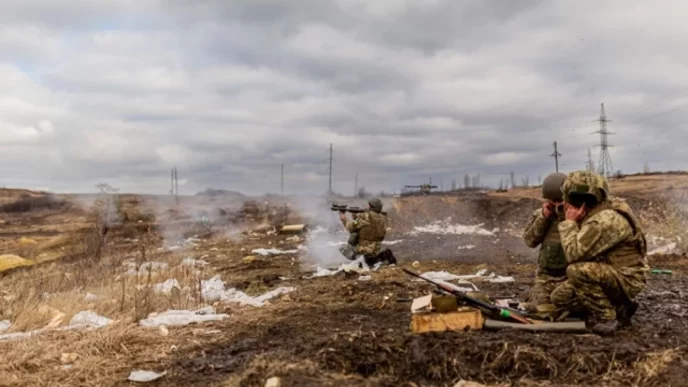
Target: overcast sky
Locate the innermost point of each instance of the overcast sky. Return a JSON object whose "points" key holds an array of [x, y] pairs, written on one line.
{"points": [[120, 91]]}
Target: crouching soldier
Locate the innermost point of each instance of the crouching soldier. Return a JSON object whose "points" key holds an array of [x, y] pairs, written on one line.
{"points": [[368, 229], [543, 230], [606, 251]]}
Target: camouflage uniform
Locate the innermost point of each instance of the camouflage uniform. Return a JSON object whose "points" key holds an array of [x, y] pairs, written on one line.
{"points": [[371, 227], [544, 232], [606, 252], [551, 270]]}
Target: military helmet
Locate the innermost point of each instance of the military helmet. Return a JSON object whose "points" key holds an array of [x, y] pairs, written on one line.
{"points": [[585, 183], [551, 186], [376, 204]]}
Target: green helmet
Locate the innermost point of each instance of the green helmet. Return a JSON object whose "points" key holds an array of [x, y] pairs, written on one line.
{"points": [[551, 186], [581, 184], [376, 204]]}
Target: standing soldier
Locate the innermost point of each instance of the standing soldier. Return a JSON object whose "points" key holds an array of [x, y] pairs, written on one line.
{"points": [[368, 229], [606, 251], [542, 230]]}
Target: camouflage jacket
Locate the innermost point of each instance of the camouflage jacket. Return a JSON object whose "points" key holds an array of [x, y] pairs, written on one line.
{"points": [[372, 228], [542, 231], [599, 233]]}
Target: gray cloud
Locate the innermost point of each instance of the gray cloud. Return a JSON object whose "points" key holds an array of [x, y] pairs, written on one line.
{"points": [[405, 90]]}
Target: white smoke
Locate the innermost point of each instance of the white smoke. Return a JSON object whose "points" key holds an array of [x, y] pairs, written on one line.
{"points": [[327, 232]]}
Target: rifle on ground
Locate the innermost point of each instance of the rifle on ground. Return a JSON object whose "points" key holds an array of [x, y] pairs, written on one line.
{"points": [[353, 210], [461, 296]]}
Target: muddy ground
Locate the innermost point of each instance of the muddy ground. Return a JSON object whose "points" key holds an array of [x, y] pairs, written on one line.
{"points": [[341, 331]]}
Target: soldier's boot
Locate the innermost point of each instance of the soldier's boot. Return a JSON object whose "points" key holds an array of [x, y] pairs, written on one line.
{"points": [[606, 327], [626, 312]]}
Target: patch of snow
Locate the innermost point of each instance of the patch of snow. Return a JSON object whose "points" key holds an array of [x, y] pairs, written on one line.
{"points": [[5, 325], [273, 251], [666, 249], [89, 297], [144, 376], [166, 287], [145, 267], [392, 242], [214, 290], [181, 317], [193, 262], [467, 247], [88, 319], [445, 228]]}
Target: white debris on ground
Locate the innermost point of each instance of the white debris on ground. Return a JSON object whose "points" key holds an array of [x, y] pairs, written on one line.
{"points": [[365, 278], [181, 317], [467, 247], [446, 276], [214, 290], [445, 228], [90, 297], [193, 262], [391, 243], [5, 325], [82, 320], [88, 319], [357, 266], [666, 249], [189, 242], [167, 286], [144, 268], [273, 251], [144, 376]]}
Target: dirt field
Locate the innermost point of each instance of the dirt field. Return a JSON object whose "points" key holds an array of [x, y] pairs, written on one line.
{"points": [[331, 330]]}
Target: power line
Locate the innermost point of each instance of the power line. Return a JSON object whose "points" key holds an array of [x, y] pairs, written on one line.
{"points": [[556, 155], [604, 166], [329, 190]]}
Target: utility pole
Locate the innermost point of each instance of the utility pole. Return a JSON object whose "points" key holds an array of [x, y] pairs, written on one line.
{"points": [[556, 155], [590, 165], [172, 181], [604, 166], [356, 185], [329, 190], [282, 181]]}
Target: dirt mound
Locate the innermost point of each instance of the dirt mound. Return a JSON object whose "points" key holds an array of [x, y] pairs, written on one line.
{"points": [[414, 211], [35, 203]]}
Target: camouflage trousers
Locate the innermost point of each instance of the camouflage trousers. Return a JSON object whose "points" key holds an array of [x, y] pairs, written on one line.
{"points": [[539, 299], [598, 289]]}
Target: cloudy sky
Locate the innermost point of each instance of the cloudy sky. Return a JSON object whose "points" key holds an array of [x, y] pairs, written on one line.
{"points": [[120, 91]]}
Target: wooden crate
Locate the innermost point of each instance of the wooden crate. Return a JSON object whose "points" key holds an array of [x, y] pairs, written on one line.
{"points": [[457, 321]]}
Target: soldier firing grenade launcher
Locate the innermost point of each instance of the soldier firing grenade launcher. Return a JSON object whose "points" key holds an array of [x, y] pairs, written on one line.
{"points": [[461, 296]]}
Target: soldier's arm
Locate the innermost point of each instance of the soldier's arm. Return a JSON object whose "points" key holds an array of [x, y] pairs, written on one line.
{"points": [[356, 224], [536, 229], [594, 237]]}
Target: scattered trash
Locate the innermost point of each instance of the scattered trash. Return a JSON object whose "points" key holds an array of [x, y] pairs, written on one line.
{"points": [[5, 325], [415, 264], [163, 330], [181, 318], [467, 247], [145, 376], [365, 278], [293, 228], [661, 271], [273, 382]]}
